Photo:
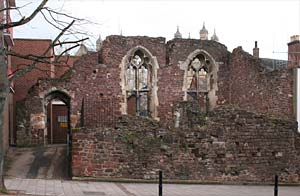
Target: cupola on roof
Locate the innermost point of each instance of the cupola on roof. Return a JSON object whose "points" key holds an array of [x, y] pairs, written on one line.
{"points": [[177, 34]]}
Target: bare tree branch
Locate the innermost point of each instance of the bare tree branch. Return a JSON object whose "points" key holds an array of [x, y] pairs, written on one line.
{"points": [[42, 58], [39, 59], [24, 20], [15, 8], [56, 20], [63, 14], [31, 67], [66, 50], [70, 42], [51, 23], [39, 62]]}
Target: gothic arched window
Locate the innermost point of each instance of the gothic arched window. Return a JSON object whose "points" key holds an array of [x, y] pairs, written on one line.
{"points": [[198, 79], [138, 84]]}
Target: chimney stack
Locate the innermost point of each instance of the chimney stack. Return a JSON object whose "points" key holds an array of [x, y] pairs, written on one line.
{"points": [[294, 38], [256, 51], [294, 51]]}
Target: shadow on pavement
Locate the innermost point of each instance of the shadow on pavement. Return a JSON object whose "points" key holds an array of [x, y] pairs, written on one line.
{"points": [[49, 162]]}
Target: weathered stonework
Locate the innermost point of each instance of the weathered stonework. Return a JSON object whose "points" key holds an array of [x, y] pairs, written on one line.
{"points": [[253, 87], [37, 121], [237, 79], [249, 135], [172, 77], [233, 146]]}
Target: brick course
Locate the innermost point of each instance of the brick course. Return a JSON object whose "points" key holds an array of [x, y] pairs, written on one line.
{"points": [[233, 146], [26, 47], [254, 88], [242, 80]]}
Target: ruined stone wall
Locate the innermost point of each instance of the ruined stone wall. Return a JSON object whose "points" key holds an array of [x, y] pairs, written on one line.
{"points": [[254, 88], [114, 48], [233, 146], [241, 81], [87, 79], [67, 63], [171, 77], [116, 51]]}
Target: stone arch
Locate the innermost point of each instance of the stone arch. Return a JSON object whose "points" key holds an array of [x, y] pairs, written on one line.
{"points": [[56, 107], [61, 94], [153, 65], [51, 90], [211, 76]]}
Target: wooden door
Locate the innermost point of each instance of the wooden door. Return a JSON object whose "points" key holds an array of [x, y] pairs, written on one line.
{"points": [[59, 124]]}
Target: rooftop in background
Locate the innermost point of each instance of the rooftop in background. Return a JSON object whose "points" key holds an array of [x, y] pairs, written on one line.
{"points": [[273, 64]]}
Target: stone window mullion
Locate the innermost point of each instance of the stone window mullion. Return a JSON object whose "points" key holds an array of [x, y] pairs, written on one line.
{"points": [[138, 91]]}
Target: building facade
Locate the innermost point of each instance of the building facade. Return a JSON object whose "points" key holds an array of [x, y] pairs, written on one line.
{"points": [[23, 83], [240, 104]]}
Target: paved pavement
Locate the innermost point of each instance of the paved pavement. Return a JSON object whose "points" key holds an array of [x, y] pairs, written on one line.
{"points": [[80, 188], [42, 171], [47, 162]]}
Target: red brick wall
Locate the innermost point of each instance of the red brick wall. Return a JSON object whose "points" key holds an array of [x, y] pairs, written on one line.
{"points": [[234, 146], [91, 79], [170, 77], [24, 83], [294, 55], [88, 79], [254, 88], [25, 47], [99, 111], [67, 63], [36, 47], [114, 48], [241, 80]]}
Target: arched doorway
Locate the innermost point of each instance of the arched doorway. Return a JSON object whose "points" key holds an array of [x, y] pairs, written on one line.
{"points": [[57, 107]]}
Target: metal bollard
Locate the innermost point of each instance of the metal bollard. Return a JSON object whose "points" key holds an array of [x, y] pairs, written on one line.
{"points": [[160, 188], [276, 186]]}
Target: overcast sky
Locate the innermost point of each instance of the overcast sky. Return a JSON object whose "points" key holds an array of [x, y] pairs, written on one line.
{"points": [[237, 23]]}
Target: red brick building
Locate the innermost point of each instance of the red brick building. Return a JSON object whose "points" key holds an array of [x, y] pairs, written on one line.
{"points": [[42, 70], [26, 47]]}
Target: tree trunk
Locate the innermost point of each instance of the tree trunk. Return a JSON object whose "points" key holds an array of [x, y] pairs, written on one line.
{"points": [[2, 129], [4, 89]]}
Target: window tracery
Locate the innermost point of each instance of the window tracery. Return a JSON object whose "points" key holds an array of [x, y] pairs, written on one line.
{"points": [[138, 84], [199, 79]]}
